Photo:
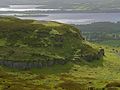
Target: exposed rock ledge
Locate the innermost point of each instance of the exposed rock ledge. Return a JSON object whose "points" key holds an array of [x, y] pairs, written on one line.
{"points": [[30, 64], [43, 63]]}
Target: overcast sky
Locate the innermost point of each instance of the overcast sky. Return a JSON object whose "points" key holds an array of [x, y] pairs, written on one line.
{"points": [[50, 1], [62, 2]]}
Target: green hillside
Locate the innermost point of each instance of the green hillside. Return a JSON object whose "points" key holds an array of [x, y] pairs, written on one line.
{"points": [[99, 75], [107, 27], [40, 55], [43, 43], [102, 32]]}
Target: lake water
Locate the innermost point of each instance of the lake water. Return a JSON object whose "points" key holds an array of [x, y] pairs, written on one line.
{"points": [[79, 18]]}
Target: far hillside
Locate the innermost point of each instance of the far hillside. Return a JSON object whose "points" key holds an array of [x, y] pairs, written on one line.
{"points": [[103, 32]]}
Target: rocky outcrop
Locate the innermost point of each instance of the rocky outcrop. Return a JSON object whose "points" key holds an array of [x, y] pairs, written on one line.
{"points": [[50, 42], [31, 64], [97, 56], [46, 63], [89, 56]]}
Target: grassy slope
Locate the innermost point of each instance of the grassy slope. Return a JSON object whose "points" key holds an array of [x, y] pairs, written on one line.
{"points": [[70, 77]]}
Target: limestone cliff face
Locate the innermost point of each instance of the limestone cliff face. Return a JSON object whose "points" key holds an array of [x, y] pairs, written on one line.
{"points": [[30, 64], [46, 63], [29, 43]]}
